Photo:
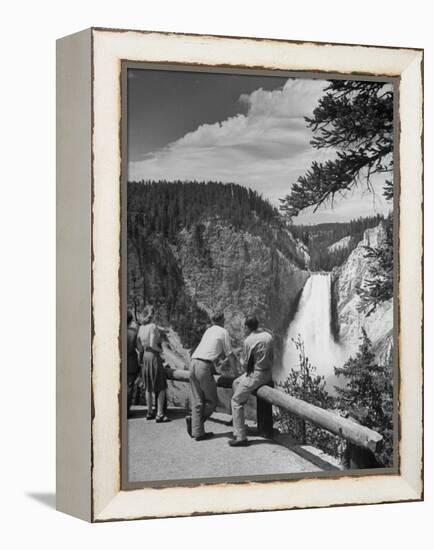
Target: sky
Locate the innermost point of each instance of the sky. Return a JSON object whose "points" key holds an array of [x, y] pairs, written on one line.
{"points": [[244, 129]]}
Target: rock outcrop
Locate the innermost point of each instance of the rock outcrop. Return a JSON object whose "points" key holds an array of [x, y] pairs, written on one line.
{"points": [[348, 320], [338, 245]]}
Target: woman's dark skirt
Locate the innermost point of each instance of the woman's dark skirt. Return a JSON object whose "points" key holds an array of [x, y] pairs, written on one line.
{"points": [[153, 373]]}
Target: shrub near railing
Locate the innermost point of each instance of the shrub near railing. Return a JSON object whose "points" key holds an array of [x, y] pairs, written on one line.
{"points": [[305, 384], [366, 397]]}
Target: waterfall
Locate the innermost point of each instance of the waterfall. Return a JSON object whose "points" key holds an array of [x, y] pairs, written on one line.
{"points": [[312, 322]]}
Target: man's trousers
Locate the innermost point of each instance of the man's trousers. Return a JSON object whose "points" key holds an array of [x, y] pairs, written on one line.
{"points": [[203, 394], [243, 387]]}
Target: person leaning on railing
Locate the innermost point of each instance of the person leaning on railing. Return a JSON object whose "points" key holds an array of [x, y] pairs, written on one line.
{"points": [[258, 362], [215, 342]]}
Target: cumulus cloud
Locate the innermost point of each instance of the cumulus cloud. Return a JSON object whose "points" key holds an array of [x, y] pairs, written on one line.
{"points": [[267, 148]]}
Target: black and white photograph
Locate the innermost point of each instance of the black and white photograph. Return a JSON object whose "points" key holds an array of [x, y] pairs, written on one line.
{"points": [[217, 291], [258, 321]]}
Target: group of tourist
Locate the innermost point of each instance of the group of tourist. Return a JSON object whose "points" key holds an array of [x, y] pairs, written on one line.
{"points": [[144, 355]]}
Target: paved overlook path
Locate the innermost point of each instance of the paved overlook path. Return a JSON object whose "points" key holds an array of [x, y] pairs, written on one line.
{"points": [[166, 452]]}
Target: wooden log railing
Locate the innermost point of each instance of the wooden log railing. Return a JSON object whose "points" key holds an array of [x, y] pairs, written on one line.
{"points": [[353, 432]]}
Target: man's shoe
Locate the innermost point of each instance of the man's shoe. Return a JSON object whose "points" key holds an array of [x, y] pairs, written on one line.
{"points": [[188, 423], [161, 418], [206, 435], [238, 442]]}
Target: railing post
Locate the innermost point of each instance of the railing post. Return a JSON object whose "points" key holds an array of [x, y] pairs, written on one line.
{"points": [[264, 415], [357, 458]]}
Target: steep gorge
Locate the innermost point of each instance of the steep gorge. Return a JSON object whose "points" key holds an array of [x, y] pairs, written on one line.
{"points": [[212, 263]]}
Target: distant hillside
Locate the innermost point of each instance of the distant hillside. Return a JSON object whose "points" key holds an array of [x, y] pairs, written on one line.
{"points": [[342, 243], [330, 244], [171, 205], [168, 207]]}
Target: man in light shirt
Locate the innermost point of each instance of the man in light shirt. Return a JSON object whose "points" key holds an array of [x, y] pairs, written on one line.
{"points": [[258, 362], [215, 342]]}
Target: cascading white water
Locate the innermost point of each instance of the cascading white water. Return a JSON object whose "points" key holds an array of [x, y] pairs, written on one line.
{"points": [[312, 322]]}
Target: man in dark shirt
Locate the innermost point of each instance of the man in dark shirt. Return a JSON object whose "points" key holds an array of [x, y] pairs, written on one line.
{"points": [[258, 362]]}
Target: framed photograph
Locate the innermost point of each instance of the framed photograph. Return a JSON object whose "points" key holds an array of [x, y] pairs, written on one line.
{"points": [[239, 264]]}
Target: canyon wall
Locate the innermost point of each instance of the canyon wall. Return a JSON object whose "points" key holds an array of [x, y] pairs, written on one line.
{"points": [[348, 321]]}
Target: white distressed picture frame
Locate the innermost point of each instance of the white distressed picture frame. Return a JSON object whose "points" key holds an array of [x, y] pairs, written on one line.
{"points": [[88, 272]]}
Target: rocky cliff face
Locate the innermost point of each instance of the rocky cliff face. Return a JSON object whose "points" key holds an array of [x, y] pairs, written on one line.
{"points": [[348, 321], [214, 266], [238, 273]]}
